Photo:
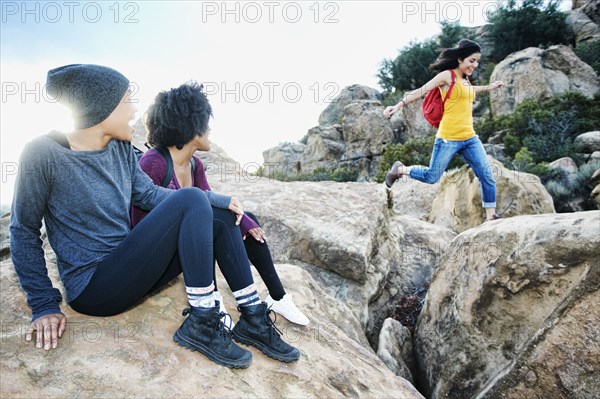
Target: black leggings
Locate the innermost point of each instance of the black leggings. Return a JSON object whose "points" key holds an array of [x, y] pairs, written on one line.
{"points": [[176, 236], [260, 256]]}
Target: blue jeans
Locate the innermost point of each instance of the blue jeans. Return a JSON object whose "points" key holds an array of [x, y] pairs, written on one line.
{"points": [[472, 151]]}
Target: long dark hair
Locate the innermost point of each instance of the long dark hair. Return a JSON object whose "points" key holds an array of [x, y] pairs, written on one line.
{"points": [[448, 59]]}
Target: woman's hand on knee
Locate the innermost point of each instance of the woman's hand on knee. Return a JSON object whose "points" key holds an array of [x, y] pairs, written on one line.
{"points": [[48, 329], [257, 233], [236, 207]]}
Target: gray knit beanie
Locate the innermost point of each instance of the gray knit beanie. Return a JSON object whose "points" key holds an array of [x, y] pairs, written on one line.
{"points": [[92, 92]]}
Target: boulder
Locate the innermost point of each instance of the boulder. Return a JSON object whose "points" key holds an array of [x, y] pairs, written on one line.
{"points": [[133, 354], [591, 8], [583, 28], [564, 164], [332, 115], [284, 158], [588, 142], [539, 74], [414, 198], [366, 134], [417, 126], [395, 349], [411, 256], [512, 311], [324, 148], [458, 203]]}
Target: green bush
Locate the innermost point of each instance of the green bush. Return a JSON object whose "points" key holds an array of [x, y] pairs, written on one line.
{"points": [[590, 54], [517, 25], [546, 128], [567, 190], [413, 152], [320, 174]]}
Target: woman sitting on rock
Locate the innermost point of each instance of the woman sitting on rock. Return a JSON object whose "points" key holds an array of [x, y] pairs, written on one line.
{"points": [[177, 124], [455, 133], [82, 185]]}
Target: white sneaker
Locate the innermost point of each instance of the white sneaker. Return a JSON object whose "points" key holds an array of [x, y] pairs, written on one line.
{"points": [[286, 307], [226, 319]]}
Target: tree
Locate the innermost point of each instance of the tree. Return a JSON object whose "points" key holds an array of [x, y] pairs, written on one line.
{"points": [[528, 23]]}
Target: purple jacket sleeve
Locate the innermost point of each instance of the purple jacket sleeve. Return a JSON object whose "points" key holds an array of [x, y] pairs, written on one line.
{"points": [[246, 224]]}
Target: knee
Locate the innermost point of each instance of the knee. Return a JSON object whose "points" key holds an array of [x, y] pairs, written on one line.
{"points": [[193, 197], [223, 217]]}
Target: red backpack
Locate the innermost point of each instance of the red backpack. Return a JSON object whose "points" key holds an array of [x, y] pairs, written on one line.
{"points": [[433, 105]]}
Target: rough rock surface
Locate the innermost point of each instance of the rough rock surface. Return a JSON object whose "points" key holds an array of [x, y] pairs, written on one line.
{"points": [[588, 142], [512, 311], [395, 349], [458, 203], [133, 354], [539, 74], [566, 164], [332, 115], [583, 28]]}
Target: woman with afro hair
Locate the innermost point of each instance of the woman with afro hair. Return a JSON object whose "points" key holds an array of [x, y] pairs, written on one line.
{"points": [[177, 124]]}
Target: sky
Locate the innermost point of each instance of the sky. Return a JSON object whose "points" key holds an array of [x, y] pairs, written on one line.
{"points": [[269, 67]]}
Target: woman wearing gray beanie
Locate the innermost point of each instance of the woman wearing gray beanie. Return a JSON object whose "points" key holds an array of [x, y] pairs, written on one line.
{"points": [[82, 185]]}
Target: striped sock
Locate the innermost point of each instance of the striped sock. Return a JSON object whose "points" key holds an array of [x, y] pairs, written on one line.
{"points": [[247, 296], [201, 297]]}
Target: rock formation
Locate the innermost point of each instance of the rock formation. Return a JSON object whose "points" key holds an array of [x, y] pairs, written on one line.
{"points": [[539, 74], [512, 311]]}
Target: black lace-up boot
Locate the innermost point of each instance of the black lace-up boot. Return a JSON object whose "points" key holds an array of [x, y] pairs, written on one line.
{"points": [[256, 328], [203, 331]]}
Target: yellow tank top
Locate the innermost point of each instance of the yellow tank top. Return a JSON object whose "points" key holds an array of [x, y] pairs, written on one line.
{"points": [[457, 121]]}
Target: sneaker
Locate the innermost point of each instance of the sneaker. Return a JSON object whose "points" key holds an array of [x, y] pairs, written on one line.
{"points": [[495, 216], [226, 317], [256, 328], [286, 307], [393, 174]]}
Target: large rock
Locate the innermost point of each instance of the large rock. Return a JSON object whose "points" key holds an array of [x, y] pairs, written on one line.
{"points": [[588, 142], [539, 74], [324, 148], [417, 126], [583, 28], [133, 354], [349, 238], [414, 198], [284, 158], [396, 350], [458, 203], [366, 134], [591, 8], [512, 311], [564, 164], [332, 115]]}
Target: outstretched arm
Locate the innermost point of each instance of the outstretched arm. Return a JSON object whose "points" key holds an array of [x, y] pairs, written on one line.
{"points": [[441, 79], [492, 86]]}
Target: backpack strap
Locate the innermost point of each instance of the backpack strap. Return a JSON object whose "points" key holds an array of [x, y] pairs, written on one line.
{"points": [[193, 162], [451, 85], [169, 165]]}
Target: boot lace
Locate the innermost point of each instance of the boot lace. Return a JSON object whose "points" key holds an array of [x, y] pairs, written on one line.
{"points": [[271, 322]]}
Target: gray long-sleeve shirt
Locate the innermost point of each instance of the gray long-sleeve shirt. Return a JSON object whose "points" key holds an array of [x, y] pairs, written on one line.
{"points": [[84, 198]]}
